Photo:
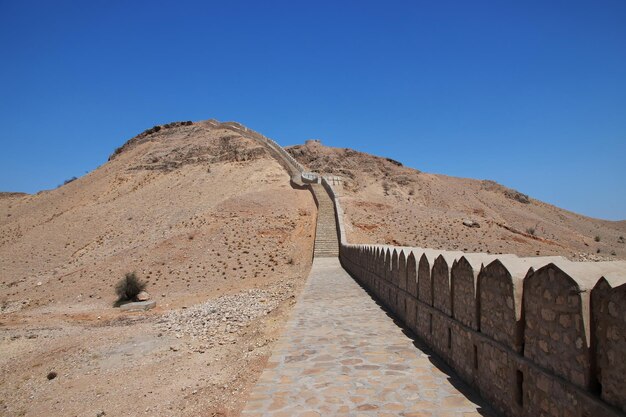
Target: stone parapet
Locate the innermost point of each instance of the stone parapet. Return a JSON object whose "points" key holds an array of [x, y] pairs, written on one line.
{"points": [[535, 336], [294, 168]]}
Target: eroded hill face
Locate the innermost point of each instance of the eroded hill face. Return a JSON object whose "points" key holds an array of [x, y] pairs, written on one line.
{"points": [[194, 210], [385, 202], [199, 212]]}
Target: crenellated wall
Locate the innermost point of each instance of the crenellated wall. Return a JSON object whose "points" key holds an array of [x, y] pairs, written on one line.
{"points": [[538, 336], [535, 336]]}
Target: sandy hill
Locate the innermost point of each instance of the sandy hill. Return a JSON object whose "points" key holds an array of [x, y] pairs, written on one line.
{"points": [[185, 202], [385, 202], [198, 211], [207, 217]]}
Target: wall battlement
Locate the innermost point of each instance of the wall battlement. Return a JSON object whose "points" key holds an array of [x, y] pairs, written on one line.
{"points": [[536, 336]]}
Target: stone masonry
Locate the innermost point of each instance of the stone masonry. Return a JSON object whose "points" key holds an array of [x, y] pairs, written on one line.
{"points": [[341, 355], [534, 336], [533, 340]]}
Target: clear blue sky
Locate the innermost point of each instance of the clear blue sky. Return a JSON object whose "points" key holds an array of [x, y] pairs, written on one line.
{"points": [[531, 94]]}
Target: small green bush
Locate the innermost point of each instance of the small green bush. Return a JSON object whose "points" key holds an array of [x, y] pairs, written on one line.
{"points": [[597, 238], [129, 287], [530, 231]]}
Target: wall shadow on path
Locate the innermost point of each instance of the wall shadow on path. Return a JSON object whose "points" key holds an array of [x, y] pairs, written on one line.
{"points": [[482, 407]]}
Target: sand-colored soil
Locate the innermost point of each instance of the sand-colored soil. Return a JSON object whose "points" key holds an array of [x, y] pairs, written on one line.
{"points": [[385, 202], [199, 213], [209, 220]]}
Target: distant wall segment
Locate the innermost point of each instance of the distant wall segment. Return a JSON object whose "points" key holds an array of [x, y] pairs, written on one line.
{"points": [[292, 166]]}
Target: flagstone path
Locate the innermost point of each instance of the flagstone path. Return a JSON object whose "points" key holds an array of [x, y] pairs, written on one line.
{"points": [[340, 354]]}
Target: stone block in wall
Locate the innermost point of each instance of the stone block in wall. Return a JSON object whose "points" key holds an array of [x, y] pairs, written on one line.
{"points": [[411, 314], [441, 335], [393, 283], [464, 280], [464, 355], [500, 301], [366, 263], [402, 270], [424, 281], [608, 312], [390, 296], [379, 272], [440, 277], [387, 265], [546, 395], [371, 267], [395, 267], [411, 274], [424, 323], [371, 263], [393, 302], [556, 332], [380, 264], [399, 277], [496, 377]]}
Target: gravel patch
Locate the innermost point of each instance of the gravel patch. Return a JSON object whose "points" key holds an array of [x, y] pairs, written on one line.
{"points": [[218, 321]]}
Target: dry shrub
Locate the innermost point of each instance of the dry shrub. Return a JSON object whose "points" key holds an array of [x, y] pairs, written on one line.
{"points": [[129, 287]]}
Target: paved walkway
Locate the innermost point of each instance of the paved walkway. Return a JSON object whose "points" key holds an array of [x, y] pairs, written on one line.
{"points": [[341, 355]]}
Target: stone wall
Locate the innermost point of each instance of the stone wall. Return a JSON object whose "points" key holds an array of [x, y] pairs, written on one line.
{"points": [[535, 336], [292, 166]]}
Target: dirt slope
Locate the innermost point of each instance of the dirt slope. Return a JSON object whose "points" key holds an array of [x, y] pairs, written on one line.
{"points": [[209, 220], [386, 202], [197, 211]]}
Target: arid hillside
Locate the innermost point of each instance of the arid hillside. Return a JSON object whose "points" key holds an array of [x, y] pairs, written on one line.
{"points": [[207, 217], [202, 214], [385, 202]]}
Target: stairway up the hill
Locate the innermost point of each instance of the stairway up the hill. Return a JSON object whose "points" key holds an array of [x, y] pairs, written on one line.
{"points": [[326, 241], [326, 236]]}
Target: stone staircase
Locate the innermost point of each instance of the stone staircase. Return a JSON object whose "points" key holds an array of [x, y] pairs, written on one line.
{"points": [[326, 234], [326, 241]]}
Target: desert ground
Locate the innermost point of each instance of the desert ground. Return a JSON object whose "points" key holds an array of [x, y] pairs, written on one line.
{"points": [[209, 220]]}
